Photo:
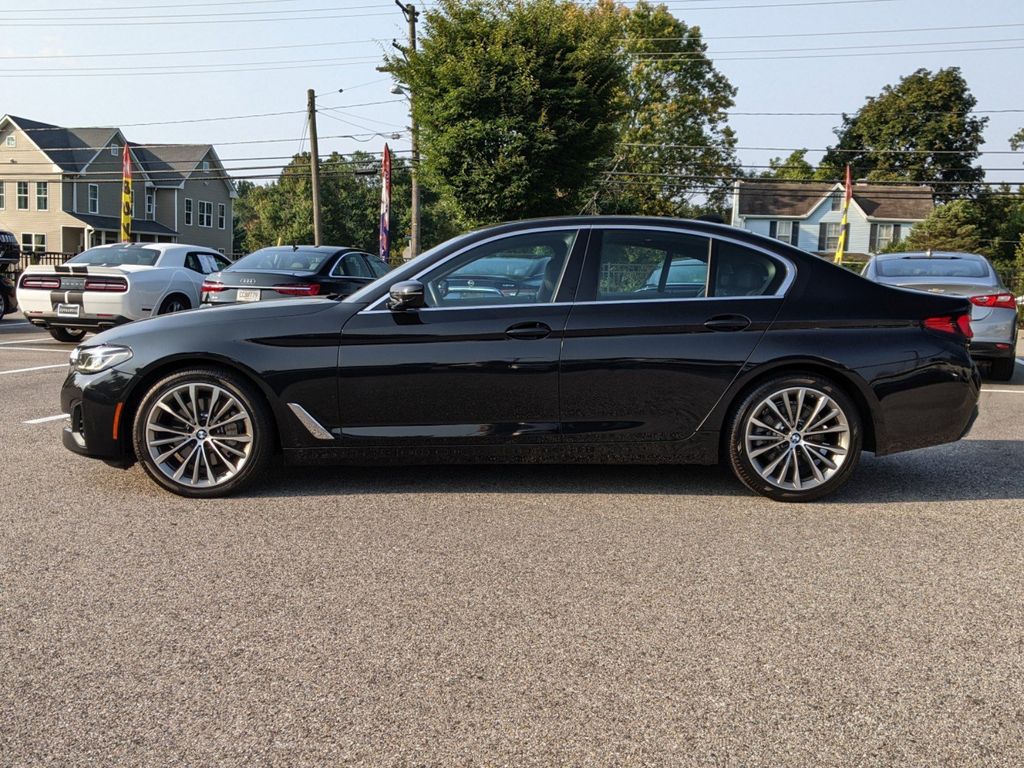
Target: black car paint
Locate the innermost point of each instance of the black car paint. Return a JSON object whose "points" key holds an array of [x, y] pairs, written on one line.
{"points": [[444, 385]]}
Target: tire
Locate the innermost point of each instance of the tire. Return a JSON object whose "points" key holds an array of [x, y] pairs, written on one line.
{"points": [[68, 335], [1002, 369], [209, 461], [174, 303], [761, 438], [3, 303]]}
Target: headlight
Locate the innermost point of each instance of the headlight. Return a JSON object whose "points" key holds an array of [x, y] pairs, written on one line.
{"points": [[98, 358]]}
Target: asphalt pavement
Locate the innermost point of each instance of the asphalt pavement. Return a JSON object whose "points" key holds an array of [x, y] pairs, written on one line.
{"points": [[524, 616]]}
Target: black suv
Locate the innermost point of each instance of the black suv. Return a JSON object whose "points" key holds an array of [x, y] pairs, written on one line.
{"points": [[10, 253]]}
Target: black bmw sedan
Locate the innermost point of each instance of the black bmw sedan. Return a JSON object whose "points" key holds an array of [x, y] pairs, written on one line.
{"points": [[780, 364], [288, 271]]}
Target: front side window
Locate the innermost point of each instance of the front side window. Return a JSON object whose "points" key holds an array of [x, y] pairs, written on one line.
{"points": [[520, 269], [94, 198], [635, 265], [42, 195], [22, 195]]}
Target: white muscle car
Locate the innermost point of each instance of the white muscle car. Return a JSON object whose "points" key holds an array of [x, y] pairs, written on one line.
{"points": [[113, 284]]}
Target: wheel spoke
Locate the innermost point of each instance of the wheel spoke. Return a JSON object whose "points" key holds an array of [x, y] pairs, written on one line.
{"points": [[168, 430], [814, 467], [235, 451], [193, 401], [231, 420], [778, 459], [165, 456], [836, 449], [825, 419], [215, 393], [759, 423], [764, 449], [181, 469], [231, 467], [826, 431], [184, 409], [799, 407], [796, 467], [788, 455], [162, 405], [778, 413]]}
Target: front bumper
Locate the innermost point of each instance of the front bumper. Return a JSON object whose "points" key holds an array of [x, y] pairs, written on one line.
{"points": [[97, 424]]}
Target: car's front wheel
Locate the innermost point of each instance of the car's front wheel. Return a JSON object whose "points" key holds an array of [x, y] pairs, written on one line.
{"points": [[795, 438], [68, 335], [203, 432]]}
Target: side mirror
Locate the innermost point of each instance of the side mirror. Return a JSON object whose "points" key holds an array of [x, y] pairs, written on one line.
{"points": [[407, 294]]}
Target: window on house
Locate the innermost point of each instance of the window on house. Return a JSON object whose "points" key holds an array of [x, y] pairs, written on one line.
{"points": [[22, 195], [222, 216], [832, 231], [150, 205], [42, 195], [32, 243], [205, 214], [115, 149], [94, 198], [885, 237], [837, 201], [206, 165], [784, 231], [188, 211], [3, 196], [12, 141]]}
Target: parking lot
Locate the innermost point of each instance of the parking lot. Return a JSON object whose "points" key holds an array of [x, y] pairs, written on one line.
{"points": [[507, 616]]}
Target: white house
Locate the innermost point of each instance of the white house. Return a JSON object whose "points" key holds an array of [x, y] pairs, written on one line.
{"points": [[808, 214]]}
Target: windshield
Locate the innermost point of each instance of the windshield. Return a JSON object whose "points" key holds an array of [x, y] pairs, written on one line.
{"points": [[935, 266], [117, 257], [283, 258]]}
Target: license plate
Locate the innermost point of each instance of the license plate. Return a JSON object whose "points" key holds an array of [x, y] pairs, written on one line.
{"points": [[248, 295], [68, 310]]}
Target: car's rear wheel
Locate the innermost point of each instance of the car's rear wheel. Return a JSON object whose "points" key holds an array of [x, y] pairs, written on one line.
{"points": [[203, 432], [795, 438], [68, 335], [174, 303], [1002, 369], [3, 303]]}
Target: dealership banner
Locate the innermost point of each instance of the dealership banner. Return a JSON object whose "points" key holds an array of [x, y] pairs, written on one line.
{"points": [[385, 205], [126, 195]]}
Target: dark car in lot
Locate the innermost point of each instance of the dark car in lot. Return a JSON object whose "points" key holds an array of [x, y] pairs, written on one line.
{"points": [[971, 276], [785, 366], [290, 271], [10, 254]]}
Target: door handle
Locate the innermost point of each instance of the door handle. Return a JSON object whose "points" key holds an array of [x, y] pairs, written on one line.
{"points": [[528, 331], [727, 323]]}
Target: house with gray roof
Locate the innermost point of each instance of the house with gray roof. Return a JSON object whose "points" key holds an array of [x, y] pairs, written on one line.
{"points": [[60, 189], [809, 214]]}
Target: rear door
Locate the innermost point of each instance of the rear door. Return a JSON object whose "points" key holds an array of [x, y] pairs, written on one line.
{"points": [[664, 321]]}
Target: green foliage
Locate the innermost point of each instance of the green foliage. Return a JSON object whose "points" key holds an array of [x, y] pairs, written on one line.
{"points": [[924, 111], [350, 188], [674, 145], [515, 101], [1017, 140], [793, 168], [954, 226]]}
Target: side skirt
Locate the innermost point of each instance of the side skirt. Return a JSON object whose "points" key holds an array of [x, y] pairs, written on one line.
{"points": [[702, 448]]}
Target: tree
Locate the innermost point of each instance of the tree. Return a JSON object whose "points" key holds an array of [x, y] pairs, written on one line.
{"points": [[675, 153], [954, 226], [515, 102], [919, 131], [793, 168], [1017, 140]]}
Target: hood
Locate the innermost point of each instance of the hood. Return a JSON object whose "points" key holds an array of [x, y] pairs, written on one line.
{"points": [[212, 318]]}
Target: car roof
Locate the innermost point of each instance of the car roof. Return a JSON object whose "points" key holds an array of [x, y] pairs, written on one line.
{"points": [[304, 247], [931, 255]]}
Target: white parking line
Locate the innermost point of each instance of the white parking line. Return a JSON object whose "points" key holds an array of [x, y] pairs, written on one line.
{"points": [[37, 368], [46, 418], [34, 349], [1005, 391], [25, 341], [10, 323]]}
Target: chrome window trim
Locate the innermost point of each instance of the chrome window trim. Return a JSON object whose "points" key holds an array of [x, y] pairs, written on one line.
{"points": [[504, 235]]}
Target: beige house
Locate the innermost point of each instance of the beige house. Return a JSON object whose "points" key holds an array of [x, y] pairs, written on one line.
{"points": [[60, 189]]}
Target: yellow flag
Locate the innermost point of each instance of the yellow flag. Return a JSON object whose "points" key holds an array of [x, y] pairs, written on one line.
{"points": [[126, 196], [847, 195]]}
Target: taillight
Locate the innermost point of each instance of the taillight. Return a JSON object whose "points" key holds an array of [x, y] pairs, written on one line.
{"points": [[108, 284], [210, 286], [1000, 300], [298, 289], [45, 283], [959, 325]]}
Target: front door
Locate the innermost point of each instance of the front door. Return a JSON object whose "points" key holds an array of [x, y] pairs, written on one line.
{"points": [[478, 364], [663, 323]]}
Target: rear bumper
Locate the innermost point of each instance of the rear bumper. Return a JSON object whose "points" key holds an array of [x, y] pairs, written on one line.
{"points": [[992, 350], [88, 322]]}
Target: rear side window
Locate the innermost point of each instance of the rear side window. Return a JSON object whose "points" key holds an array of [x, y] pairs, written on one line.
{"points": [[192, 262], [635, 265], [352, 265], [740, 271], [379, 267]]}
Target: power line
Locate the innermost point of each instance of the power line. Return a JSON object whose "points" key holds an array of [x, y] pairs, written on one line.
{"points": [[178, 22], [835, 149], [151, 54], [77, 9], [319, 63], [837, 33], [719, 57], [715, 54]]}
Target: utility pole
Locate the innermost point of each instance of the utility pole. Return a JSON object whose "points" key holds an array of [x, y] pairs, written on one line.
{"points": [[411, 15], [314, 163]]}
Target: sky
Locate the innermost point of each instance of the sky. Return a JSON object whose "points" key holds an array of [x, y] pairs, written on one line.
{"points": [[180, 64]]}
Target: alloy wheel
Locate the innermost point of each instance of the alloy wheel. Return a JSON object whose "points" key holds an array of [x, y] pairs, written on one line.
{"points": [[797, 438], [199, 435]]}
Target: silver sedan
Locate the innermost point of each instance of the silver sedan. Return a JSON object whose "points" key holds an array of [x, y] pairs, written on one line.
{"points": [[994, 310]]}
